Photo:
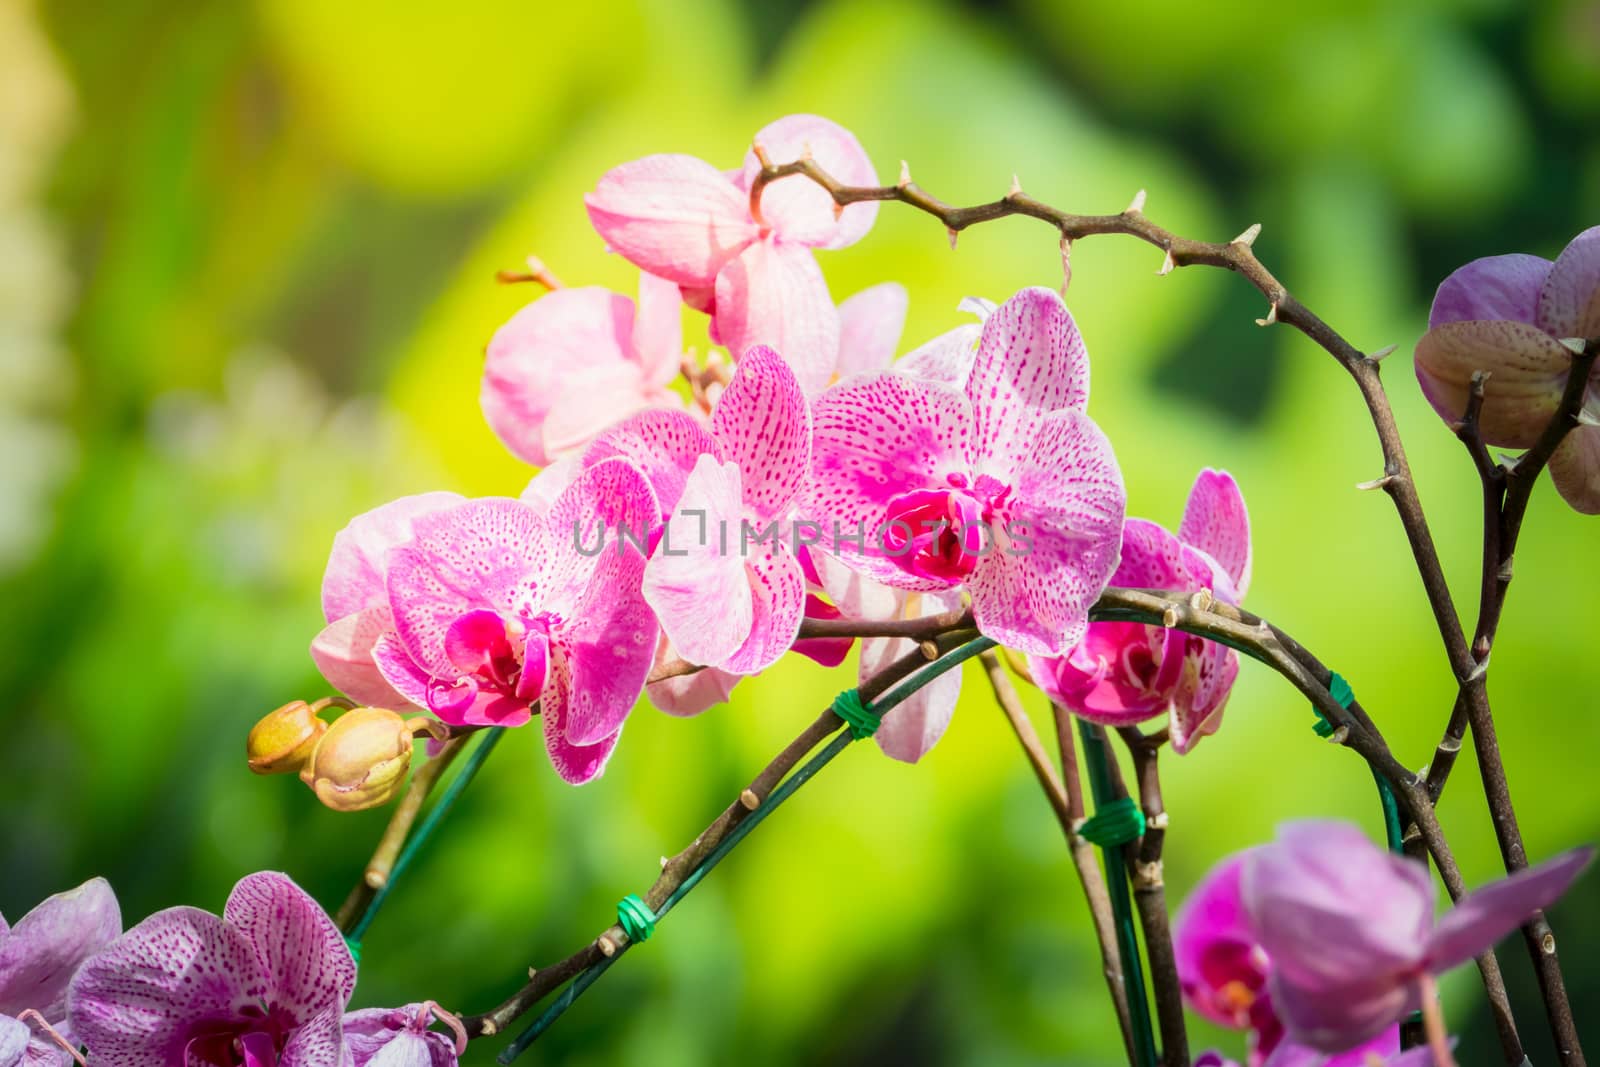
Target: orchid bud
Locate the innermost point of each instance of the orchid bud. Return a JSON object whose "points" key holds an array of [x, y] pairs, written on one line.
{"points": [[283, 740], [362, 759]]}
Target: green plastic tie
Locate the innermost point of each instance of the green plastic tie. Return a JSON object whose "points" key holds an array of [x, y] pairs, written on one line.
{"points": [[1116, 823], [1342, 694], [635, 918], [355, 949], [863, 722]]}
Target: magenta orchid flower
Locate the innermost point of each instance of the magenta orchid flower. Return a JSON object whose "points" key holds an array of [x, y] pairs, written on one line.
{"points": [[38, 958], [1004, 487], [1126, 672], [1507, 315], [403, 1037], [1223, 972], [682, 219], [1349, 927], [355, 597], [263, 985], [722, 577], [577, 360], [498, 604]]}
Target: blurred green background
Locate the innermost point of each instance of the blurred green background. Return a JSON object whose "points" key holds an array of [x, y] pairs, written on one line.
{"points": [[246, 279]]}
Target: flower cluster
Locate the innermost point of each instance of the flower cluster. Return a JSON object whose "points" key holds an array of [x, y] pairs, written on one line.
{"points": [[1321, 942], [817, 477]]}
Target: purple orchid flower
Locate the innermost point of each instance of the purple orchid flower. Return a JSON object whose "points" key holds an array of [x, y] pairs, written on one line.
{"points": [[682, 219], [264, 985], [1223, 972], [723, 579], [498, 603], [1004, 487], [1350, 932], [1126, 672], [401, 1037], [577, 360], [38, 958], [1507, 315]]}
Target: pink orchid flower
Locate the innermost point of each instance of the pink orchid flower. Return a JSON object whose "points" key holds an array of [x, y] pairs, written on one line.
{"points": [[723, 577], [355, 597], [682, 219], [1223, 972], [1004, 487], [1290, 1055], [1349, 927], [263, 985], [38, 958], [1126, 672], [498, 604], [1507, 315], [402, 1037], [577, 360]]}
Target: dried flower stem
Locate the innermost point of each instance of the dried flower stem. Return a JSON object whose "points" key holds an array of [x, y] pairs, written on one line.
{"points": [[1069, 812]]}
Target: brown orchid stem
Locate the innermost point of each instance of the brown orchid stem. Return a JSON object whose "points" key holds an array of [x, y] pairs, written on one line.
{"points": [[543, 981], [1150, 898], [537, 273], [1397, 481], [912, 629], [376, 874], [1069, 812]]}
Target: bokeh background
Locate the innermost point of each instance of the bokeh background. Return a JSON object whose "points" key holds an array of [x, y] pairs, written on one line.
{"points": [[246, 278]]}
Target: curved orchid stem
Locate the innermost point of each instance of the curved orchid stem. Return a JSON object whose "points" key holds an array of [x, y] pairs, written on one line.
{"points": [[419, 838], [612, 944]]}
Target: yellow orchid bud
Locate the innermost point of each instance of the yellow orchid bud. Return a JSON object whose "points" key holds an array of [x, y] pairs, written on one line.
{"points": [[282, 741], [362, 759]]}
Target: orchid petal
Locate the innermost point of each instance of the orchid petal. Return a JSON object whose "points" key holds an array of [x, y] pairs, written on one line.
{"points": [[763, 424], [911, 728], [1575, 469], [319, 1042], [778, 602], [870, 325], [877, 437], [664, 445], [532, 360], [1335, 1019], [343, 653], [696, 581], [575, 764], [1209, 671], [1485, 915], [1031, 362], [947, 358], [690, 694], [14, 1040], [800, 210], [608, 511], [1033, 592], [1216, 521], [354, 578], [135, 1002], [672, 215], [1527, 371], [774, 294], [489, 553], [296, 943], [1569, 303], [39, 955], [658, 330], [1221, 970], [1495, 287], [545, 487], [608, 641]]}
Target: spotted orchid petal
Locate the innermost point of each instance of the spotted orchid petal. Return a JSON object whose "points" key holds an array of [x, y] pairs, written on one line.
{"points": [[1495, 287], [774, 294], [574, 764], [663, 445], [1034, 592], [1031, 362], [1216, 522], [879, 437], [870, 325], [39, 955], [778, 605], [1569, 303], [355, 575], [674, 216], [763, 424], [696, 580], [947, 358], [1527, 373], [608, 642], [799, 210], [295, 943]]}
